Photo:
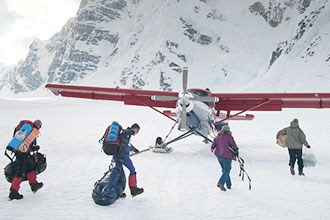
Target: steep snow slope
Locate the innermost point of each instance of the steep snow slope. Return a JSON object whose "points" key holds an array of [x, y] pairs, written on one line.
{"points": [[228, 46]]}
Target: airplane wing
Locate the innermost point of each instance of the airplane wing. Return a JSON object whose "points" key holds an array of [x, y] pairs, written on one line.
{"points": [[270, 101], [128, 96], [227, 101]]}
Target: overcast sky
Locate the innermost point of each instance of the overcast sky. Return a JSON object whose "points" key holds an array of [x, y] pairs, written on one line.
{"points": [[22, 21]]}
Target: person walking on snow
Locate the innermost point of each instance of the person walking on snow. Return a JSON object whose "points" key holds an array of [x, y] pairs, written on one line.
{"points": [[25, 166], [225, 149], [123, 157], [295, 141]]}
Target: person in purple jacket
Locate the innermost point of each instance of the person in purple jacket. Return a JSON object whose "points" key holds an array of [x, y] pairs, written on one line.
{"points": [[226, 150]]}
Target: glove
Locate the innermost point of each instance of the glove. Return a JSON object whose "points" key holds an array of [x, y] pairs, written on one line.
{"points": [[308, 146], [35, 148], [236, 152]]}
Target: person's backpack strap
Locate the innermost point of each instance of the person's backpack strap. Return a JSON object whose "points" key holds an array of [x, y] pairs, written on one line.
{"points": [[9, 157], [21, 123], [125, 136], [103, 137]]}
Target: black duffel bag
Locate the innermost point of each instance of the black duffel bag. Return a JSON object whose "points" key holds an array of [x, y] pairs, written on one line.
{"points": [[39, 165]]}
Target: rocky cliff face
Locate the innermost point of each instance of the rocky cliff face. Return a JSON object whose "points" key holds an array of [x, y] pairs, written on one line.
{"points": [[145, 44]]}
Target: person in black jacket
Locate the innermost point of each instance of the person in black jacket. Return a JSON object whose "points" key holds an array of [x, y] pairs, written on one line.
{"points": [[123, 157], [25, 165]]}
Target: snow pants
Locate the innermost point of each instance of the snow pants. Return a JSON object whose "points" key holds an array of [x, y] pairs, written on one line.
{"points": [[25, 167], [296, 154], [127, 162]]}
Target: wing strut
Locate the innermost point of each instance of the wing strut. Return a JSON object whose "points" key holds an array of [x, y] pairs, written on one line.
{"points": [[153, 108], [245, 110]]}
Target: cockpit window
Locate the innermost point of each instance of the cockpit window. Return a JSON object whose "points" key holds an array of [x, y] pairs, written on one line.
{"points": [[202, 93], [199, 92]]}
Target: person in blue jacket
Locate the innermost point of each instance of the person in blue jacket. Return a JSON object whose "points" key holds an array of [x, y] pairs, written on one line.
{"points": [[226, 150], [123, 157]]}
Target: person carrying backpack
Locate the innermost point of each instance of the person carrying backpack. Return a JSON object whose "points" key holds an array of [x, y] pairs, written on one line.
{"points": [[23, 157], [123, 157]]}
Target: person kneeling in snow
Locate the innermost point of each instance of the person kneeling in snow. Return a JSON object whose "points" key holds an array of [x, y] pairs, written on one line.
{"points": [[123, 157], [226, 150]]}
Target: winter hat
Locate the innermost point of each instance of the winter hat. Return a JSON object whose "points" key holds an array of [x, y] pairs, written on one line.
{"points": [[225, 128], [294, 123], [37, 123], [218, 126], [135, 125]]}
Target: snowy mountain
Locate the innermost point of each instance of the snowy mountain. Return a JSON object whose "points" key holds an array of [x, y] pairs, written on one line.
{"points": [[234, 46]]}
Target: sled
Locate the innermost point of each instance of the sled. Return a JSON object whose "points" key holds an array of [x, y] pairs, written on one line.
{"points": [[164, 149], [160, 147]]}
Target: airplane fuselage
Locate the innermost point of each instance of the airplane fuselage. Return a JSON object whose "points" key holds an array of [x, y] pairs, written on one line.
{"points": [[200, 115]]}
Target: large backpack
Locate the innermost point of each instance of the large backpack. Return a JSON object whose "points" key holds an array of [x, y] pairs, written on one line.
{"points": [[110, 187], [111, 139], [24, 135]]}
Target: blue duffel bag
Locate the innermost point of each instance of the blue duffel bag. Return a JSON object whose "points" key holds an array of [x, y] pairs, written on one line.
{"points": [[110, 187]]}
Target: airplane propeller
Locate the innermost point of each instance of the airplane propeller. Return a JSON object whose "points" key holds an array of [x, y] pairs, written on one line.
{"points": [[184, 99], [185, 79], [184, 103]]}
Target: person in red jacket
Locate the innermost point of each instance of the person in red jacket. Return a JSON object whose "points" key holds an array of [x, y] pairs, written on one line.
{"points": [[25, 166], [226, 150]]}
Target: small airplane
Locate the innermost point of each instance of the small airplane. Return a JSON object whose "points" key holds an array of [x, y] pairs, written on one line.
{"points": [[197, 111]]}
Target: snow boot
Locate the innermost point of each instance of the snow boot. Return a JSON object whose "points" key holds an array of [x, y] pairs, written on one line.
{"points": [[301, 173], [36, 186], [32, 177], [133, 186], [14, 195], [136, 191], [292, 171], [123, 195], [221, 187]]}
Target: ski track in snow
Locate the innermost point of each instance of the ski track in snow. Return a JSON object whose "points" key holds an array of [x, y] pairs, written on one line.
{"points": [[179, 185]]}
